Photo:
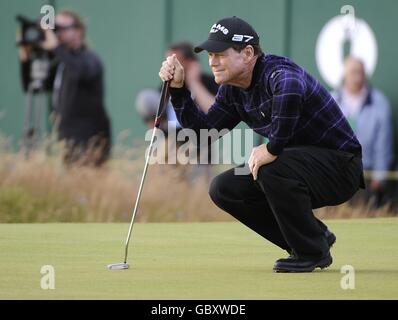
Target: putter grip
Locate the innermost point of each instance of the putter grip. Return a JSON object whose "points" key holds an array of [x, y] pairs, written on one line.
{"points": [[164, 98]]}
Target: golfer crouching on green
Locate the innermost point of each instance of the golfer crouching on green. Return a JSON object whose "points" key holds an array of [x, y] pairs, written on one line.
{"points": [[313, 159]]}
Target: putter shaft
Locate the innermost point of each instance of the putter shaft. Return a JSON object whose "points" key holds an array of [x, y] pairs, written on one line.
{"points": [[162, 105]]}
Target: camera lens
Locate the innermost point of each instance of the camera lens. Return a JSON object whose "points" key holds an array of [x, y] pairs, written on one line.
{"points": [[32, 35]]}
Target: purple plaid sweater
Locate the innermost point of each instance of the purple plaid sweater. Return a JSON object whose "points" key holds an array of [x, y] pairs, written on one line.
{"points": [[283, 103]]}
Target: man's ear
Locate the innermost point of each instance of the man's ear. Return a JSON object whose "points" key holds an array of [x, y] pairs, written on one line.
{"points": [[249, 52]]}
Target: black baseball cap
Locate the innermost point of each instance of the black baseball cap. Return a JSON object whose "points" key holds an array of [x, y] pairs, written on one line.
{"points": [[227, 32]]}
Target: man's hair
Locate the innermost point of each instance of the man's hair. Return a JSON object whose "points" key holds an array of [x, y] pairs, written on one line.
{"points": [[257, 49], [186, 48], [78, 20]]}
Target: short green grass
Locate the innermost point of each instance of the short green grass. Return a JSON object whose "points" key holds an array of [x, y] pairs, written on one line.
{"points": [[190, 261]]}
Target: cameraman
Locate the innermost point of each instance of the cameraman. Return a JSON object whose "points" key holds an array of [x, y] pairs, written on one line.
{"points": [[76, 81]]}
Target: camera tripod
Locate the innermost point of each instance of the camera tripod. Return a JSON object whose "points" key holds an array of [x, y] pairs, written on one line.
{"points": [[35, 104]]}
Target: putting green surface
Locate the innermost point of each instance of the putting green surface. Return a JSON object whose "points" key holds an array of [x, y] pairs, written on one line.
{"points": [[190, 261]]}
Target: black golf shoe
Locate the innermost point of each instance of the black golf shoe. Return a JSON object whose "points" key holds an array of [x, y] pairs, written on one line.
{"points": [[299, 264]]}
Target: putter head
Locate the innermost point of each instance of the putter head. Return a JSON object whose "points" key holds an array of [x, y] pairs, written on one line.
{"points": [[118, 266]]}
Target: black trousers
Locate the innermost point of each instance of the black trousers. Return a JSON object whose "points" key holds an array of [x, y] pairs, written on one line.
{"points": [[278, 206]]}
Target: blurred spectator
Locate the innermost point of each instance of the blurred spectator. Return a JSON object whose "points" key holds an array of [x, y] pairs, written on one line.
{"points": [[201, 85], [203, 89], [369, 114], [76, 82]]}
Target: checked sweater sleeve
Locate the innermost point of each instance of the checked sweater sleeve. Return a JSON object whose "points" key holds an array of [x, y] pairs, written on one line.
{"points": [[288, 89], [220, 116]]}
